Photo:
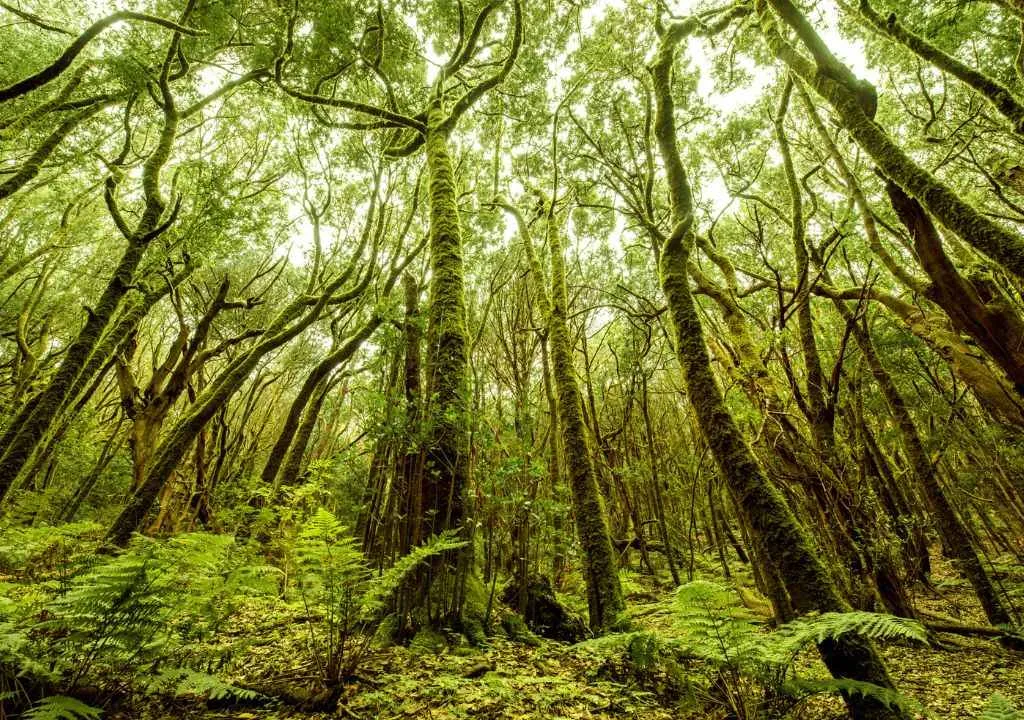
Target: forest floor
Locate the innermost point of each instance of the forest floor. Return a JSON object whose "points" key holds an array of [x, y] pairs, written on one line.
{"points": [[552, 680]]}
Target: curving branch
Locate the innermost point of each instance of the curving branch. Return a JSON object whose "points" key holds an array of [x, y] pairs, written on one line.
{"points": [[34, 164], [389, 118], [54, 69], [465, 49], [475, 93]]}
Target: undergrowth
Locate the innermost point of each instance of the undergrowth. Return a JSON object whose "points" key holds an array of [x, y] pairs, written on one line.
{"points": [[750, 673], [150, 619]]}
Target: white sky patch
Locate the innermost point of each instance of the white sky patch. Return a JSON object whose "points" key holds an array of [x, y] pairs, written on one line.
{"points": [[714, 191], [209, 78], [591, 15]]}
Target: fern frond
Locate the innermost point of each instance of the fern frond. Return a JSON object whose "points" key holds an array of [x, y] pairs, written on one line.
{"points": [[62, 707], [999, 707], [384, 587], [892, 699], [186, 681], [876, 626]]}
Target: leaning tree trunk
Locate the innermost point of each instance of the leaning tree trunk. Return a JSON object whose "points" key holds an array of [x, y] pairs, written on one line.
{"points": [[29, 428], [954, 535], [807, 581], [854, 102], [290, 322], [290, 438]]}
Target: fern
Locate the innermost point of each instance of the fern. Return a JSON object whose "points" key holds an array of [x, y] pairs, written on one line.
{"points": [[713, 624], [384, 587], [336, 582], [876, 626], [43, 551], [716, 628], [118, 615], [186, 681], [999, 707], [62, 707]]}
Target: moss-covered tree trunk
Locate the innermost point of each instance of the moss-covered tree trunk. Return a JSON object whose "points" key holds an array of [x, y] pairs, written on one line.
{"points": [[446, 470], [604, 592], [410, 461], [854, 102], [977, 308], [807, 581], [952, 531], [816, 407], [28, 430], [1000, 96], [290, 436], [294, 465]]}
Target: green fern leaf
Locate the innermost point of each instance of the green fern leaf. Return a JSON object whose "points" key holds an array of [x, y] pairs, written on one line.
{"points": [[876, 626], [62, 707], [999, 707], [383, 588], [892, 699]]}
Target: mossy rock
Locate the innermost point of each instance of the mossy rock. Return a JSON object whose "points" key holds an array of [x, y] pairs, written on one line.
{"points": [[428, 641], [475, 597], [473, 630], [387, 631], [516, 629]]}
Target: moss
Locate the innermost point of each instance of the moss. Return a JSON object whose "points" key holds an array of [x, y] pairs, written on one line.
{"points": [[992, 90], [447, 452], [428, 641], [30, 426], [952, 531], [516, 629], [31, 167], [604, 592], [473, 629], [387, 631]]}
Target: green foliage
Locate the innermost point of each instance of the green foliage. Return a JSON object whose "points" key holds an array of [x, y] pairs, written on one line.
{"points": [[37, 551], [61, 707], [138, 606], [383, 588], [116, 616], [753, 669], [337, 583], [185, 681], [999, 707]]}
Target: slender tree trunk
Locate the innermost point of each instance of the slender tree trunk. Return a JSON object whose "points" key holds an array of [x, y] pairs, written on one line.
{"points": [[954, 535], [854, 102], [659, 505], [604, 593]]}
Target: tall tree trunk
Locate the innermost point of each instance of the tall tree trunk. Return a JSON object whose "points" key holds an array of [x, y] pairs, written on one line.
{"points": [[807, 581], [854, 102], [447, 450], [604, 592], [952, 531]]}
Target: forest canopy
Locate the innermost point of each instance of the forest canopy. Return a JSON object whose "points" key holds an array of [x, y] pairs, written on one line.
{"points": [[677, 346]]}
